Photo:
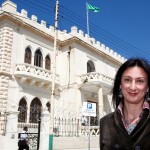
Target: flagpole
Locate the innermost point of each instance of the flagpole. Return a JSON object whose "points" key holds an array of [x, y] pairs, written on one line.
{"points": [[87, 17]]}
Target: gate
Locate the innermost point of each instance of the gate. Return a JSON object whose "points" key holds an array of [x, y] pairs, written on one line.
{"points": [[33, 132]]}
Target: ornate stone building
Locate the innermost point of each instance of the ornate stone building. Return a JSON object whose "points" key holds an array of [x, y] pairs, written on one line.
{"points": [[85, 70]]}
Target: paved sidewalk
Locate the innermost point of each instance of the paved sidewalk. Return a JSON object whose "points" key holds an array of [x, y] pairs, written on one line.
{"points": [[87, 149], [81, 149]]}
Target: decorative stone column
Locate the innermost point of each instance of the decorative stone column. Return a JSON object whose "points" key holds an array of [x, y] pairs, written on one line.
{"points": [[78, 100], [12, 129], [100, 102], [6, 38], [32, 59], [44, 135]]}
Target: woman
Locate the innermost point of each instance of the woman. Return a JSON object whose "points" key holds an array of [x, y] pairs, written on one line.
{"points": [[128, 127]]}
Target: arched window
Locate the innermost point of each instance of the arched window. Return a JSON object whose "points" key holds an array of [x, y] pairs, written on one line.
{"points": [[90, 66], [28, 55], [47, 62], [48, 106], [22, 116], [38, 58], [35, 110]]}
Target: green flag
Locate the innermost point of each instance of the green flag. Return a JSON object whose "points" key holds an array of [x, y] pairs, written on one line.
{"points": [[92, 8]]}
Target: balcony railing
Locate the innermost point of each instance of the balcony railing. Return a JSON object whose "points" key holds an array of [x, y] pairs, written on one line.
{"points": [[33, 72], [96, 77]]}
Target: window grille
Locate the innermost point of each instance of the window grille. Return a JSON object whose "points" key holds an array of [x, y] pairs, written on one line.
{"points": [[35, 109], [48, 106], [28, 56], [47, 63], [90, 66], [38, 59], [22, 116]]}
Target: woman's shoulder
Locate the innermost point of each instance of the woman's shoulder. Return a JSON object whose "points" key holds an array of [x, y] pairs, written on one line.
{"points": [[107, 117]]}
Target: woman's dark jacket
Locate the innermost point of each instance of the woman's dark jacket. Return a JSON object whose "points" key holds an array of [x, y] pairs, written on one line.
{"points": [[113, 134]]}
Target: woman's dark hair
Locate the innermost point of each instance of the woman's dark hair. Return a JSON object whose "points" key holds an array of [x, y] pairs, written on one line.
{"points": [[132, 62]]}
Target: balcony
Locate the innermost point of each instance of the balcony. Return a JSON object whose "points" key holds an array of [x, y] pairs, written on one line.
{"points": [[93, 80], [34, 75]]}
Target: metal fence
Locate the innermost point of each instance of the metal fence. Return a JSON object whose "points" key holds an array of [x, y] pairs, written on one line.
{"points": [[72, 127], [66, 127]]}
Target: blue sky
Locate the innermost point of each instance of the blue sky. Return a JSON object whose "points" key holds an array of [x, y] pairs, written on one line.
{"points": [[122, 25]]}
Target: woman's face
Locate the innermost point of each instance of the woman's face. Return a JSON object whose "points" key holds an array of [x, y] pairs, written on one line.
{"points": [[134, 85]]}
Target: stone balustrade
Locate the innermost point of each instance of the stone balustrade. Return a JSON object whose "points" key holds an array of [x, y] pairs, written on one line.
{"points": [[28, 71], [97, 77], [94, 131]]}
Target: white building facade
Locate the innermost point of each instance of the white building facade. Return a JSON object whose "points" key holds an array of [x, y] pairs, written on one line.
{"points": [[85, 71]]}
